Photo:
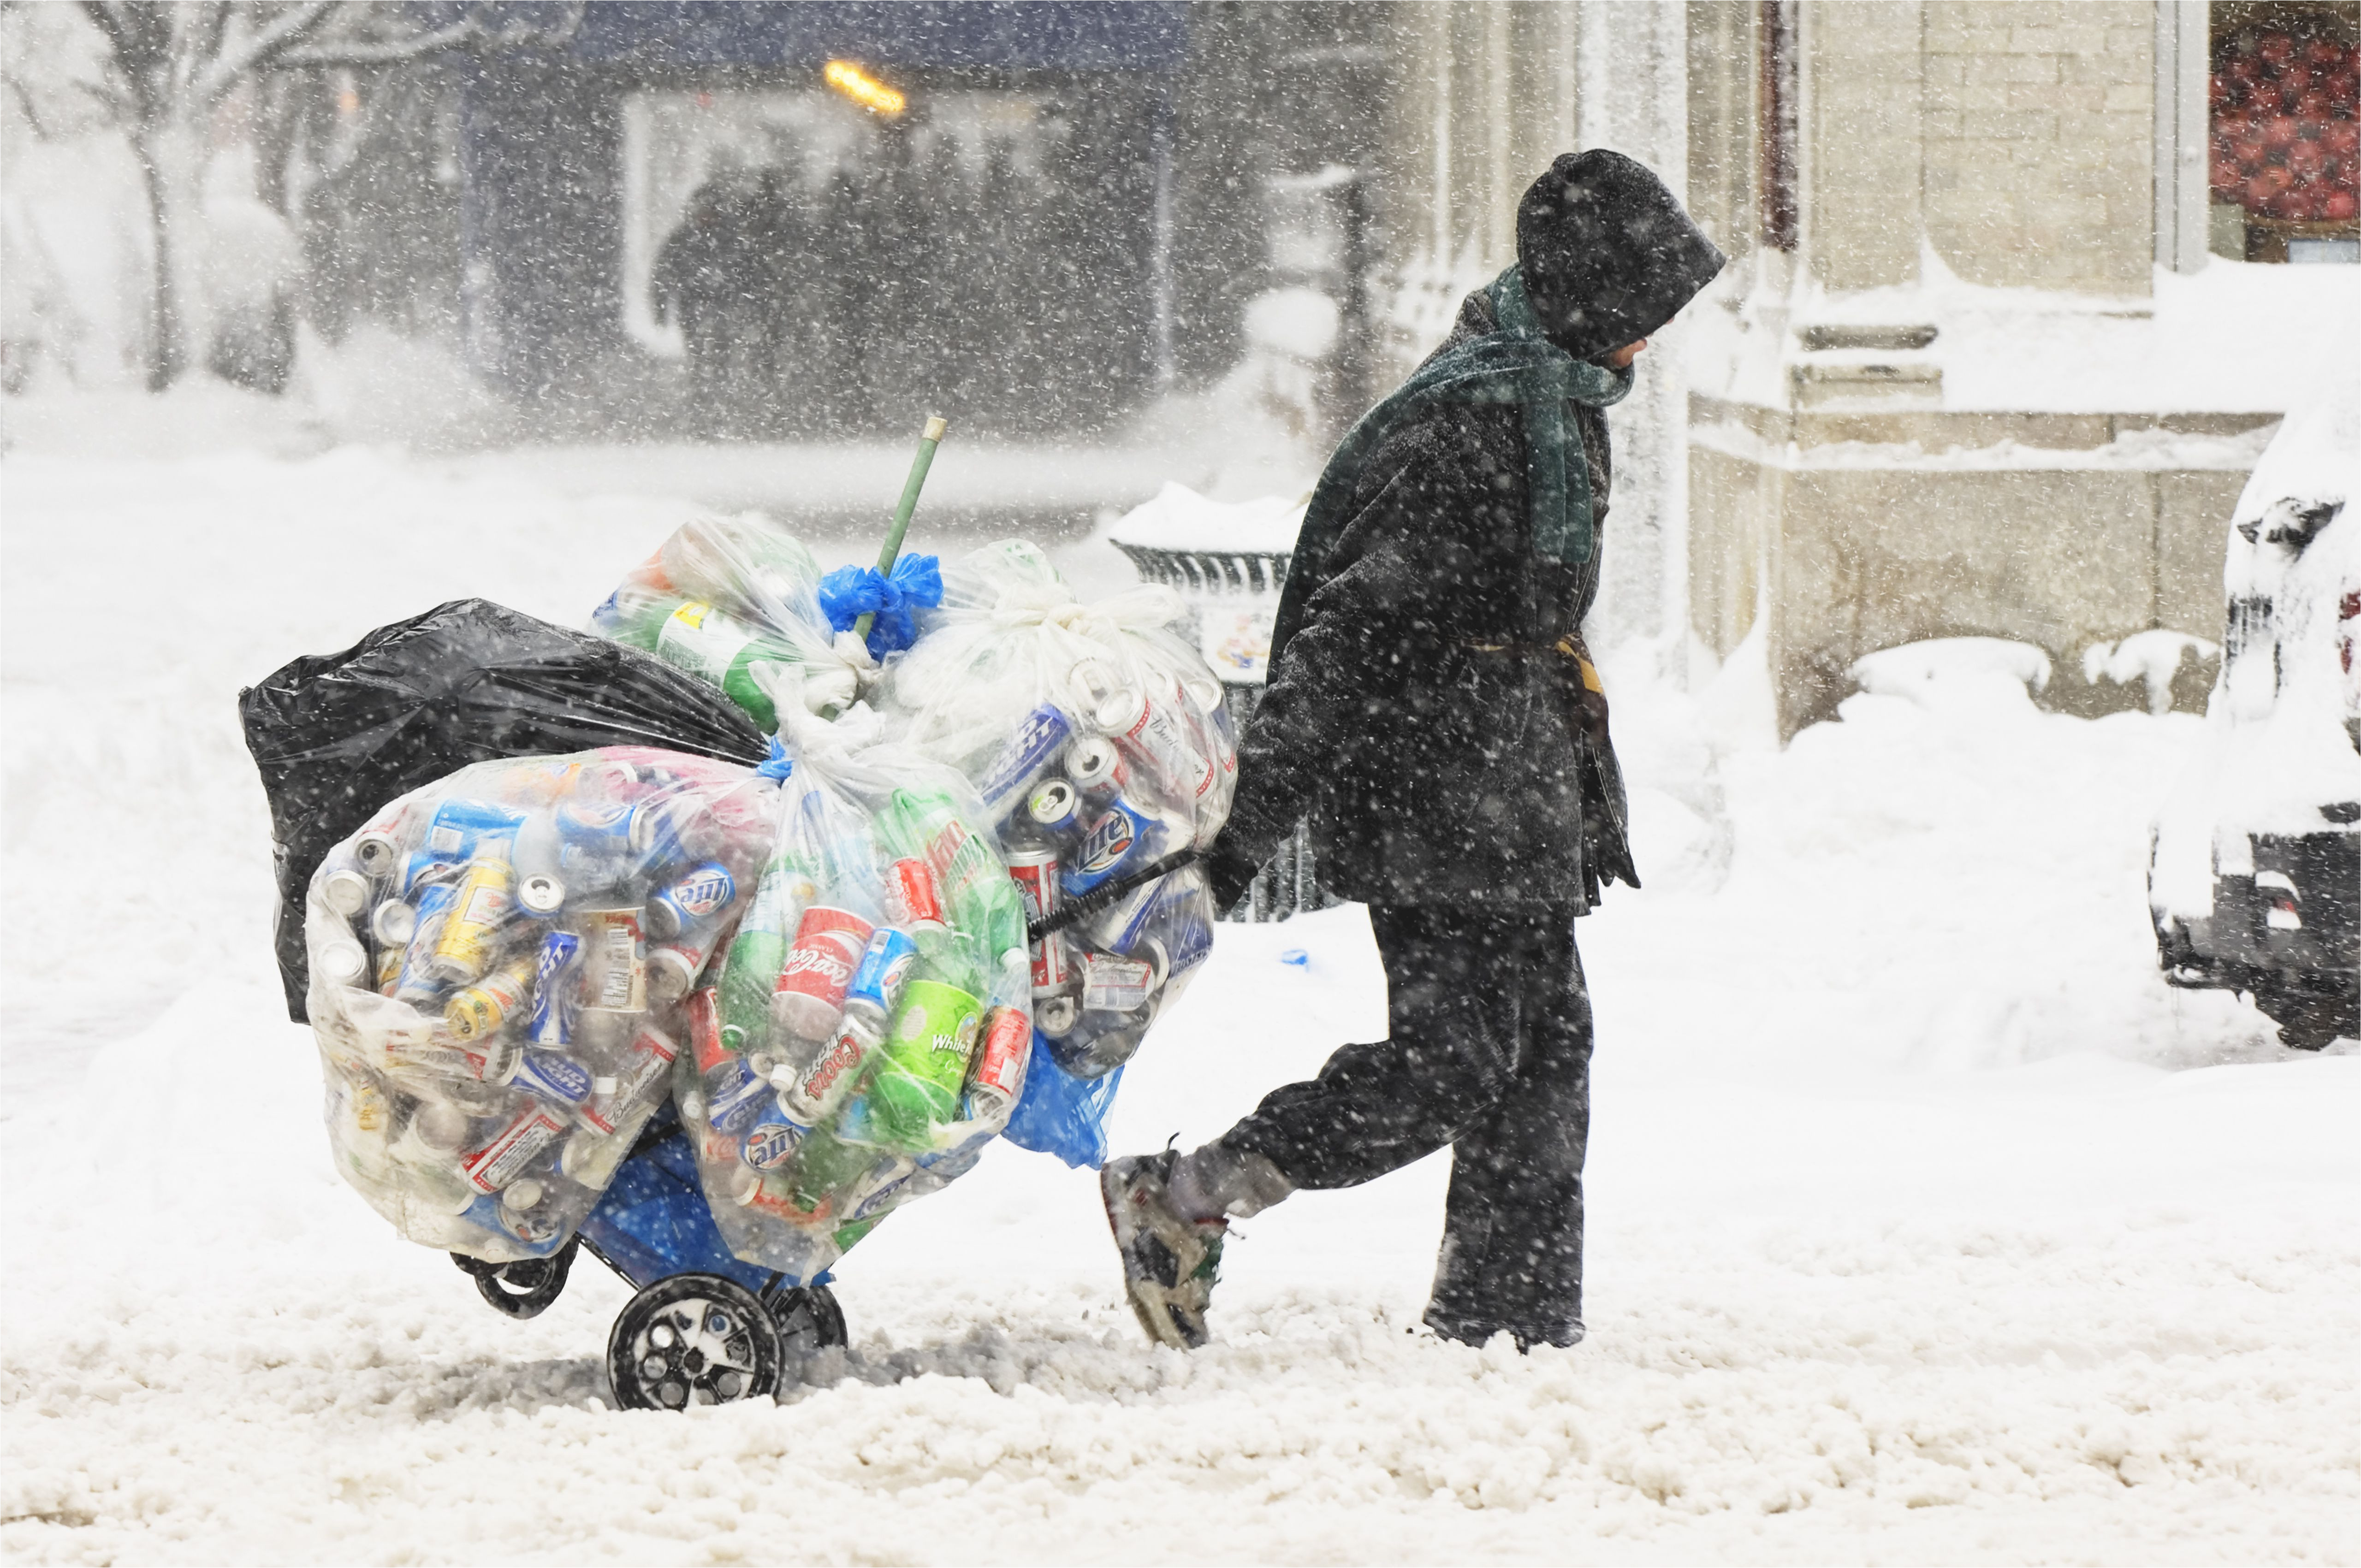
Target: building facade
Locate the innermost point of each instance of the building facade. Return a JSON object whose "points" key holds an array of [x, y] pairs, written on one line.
{"points": [[1960, 378]]}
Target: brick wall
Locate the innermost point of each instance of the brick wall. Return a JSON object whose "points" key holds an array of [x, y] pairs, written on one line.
{"points": [[2038, 134]]}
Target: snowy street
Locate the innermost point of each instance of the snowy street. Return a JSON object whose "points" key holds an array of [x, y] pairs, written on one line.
{"points": [[1927, 1224]]}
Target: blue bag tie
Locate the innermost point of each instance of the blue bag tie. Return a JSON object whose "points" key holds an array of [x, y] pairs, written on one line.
{"points": [[778, 765], [850, 592]]}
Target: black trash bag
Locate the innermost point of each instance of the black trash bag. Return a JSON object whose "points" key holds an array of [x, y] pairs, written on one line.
{"points": [[337, 735]]}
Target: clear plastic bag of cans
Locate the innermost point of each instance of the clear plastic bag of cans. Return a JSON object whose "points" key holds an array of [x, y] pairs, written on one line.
{"points": [[500, 964], [735, 601], [869, 1029], [1101, 750]]}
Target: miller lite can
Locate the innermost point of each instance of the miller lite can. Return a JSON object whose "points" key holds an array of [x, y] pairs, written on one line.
{"points": [[692, 901]]}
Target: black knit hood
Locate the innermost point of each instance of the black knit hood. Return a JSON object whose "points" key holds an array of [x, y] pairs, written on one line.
{"points": [[1606, 252]]}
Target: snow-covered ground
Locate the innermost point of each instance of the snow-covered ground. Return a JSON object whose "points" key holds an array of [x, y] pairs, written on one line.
{"points": [[1927, 1224]]}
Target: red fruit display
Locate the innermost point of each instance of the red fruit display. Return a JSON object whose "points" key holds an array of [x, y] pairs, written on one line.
{"points": [[2286, 101]]}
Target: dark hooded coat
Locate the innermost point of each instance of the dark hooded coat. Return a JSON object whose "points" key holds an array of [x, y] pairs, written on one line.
{"points": [[1417, 713]]}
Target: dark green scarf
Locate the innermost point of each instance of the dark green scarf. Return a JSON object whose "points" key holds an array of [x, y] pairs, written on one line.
{"points": [[1513, 363]]}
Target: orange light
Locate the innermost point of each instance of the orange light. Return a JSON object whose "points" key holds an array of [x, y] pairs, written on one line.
{"points": [[863, 89]]}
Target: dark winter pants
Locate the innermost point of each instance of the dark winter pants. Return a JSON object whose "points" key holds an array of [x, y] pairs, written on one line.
{"points": [[1490, 1053]]}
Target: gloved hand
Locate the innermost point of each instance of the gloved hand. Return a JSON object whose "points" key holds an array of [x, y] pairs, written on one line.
{"points": [[1228, 873], [1586, 693]]}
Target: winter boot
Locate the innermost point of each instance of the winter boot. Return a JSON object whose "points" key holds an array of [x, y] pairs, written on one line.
{"points": [[1169, 1261]]}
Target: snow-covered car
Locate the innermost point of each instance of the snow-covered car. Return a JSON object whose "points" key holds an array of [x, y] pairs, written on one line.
{"points": [[2254, 878]]}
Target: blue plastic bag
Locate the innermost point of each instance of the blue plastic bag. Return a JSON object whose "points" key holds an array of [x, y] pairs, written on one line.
{"points": [[1061, 1115], [850, 592]]}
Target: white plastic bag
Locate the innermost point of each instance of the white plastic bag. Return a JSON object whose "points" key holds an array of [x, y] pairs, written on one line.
{"points": [[497, 965], [871, 1028]]}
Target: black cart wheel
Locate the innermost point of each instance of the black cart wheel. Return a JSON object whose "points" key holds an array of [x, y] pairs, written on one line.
{"points": [[523, 1289], [692, 1339], [808, 1317]]}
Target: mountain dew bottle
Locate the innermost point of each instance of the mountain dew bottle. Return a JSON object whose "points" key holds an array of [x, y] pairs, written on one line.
{"points": [[982, 902], [751, 971], [712, 644]]}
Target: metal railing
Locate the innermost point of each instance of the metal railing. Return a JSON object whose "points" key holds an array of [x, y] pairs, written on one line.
{"points": [[1290, 882]]}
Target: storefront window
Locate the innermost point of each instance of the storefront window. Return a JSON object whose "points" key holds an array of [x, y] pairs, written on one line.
{"points": [[2286, 130]]}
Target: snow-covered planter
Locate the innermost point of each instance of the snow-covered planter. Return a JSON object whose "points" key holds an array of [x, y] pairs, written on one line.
{"points": [[2254, 884]]}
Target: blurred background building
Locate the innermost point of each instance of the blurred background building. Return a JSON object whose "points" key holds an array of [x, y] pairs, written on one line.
{"points": [[1968, 374]]}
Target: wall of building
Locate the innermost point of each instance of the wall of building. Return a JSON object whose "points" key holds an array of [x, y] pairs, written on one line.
{"points": [[2039, 136]]}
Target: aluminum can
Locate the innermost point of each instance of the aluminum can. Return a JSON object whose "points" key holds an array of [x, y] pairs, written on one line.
{"points": [[551, 1023], [512, 1148], [1053, 1016], [389, 968], [998, 1075], [540, 895], [378, 851], [773, 1140], [912, 897], [877, 1191], [1170, 910], [735, 1095], [1119, 836], [625, 830], [691, 900], [672, 970], [486, 895], [1153, 735], [1040, 737], [885, 965], [393, 923], [559, 1079], [461, 826], [1096, 769], [483, 1007], [927, 1049], [614, 962], [649, 1056], [828, 946], [1112, 983], [1057, 810], [341, 963], [416, 983], [346, 890], [823, 1085], [1035, 872]]}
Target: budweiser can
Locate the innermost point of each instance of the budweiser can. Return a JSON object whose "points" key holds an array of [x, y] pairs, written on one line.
{"points": [[649, 1056], [1035, 872], [515, 1147], [810, 992], [672, 971], [998, 1075], [614, 965], [911, 895], [551, 1023], [1095, 767], [1152, 735]]}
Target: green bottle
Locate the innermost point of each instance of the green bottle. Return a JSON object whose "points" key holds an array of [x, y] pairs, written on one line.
{"points": [[752, 971], [716, 646]]}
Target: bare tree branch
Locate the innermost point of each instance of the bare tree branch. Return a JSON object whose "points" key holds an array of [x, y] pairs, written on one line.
{"points": [[467, 31], [285, 31]]}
